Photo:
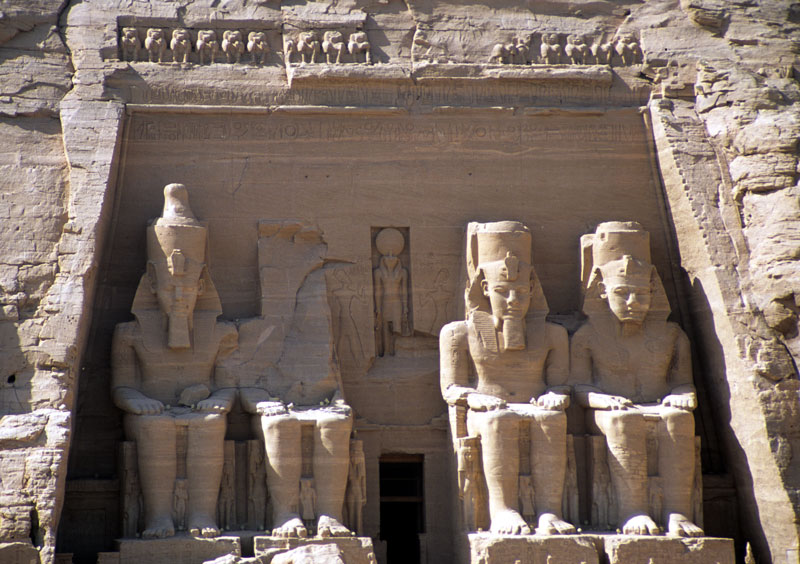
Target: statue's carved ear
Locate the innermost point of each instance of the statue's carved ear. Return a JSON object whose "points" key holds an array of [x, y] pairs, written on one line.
{"points": [[485, 287], [152, 278]]}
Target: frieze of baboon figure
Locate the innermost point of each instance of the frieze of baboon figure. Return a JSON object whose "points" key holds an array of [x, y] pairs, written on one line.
{"points": [[333, 46], [233, 45], [207, 46], [550, 49], [359, 47], [130, 44], [257, 46], [156, 45], [181, 45], [308, 46]]}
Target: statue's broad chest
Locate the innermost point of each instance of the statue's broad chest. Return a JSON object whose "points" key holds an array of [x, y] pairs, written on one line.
{"points": [[488, 354]]}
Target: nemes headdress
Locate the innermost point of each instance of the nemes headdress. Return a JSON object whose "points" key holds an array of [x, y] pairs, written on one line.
{"points": [[618, 252], [504, 249], [179, 242]]}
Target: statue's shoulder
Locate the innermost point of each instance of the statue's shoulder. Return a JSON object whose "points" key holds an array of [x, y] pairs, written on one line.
{"points": [[226, 330], [585, 334], [674, 331], [554, 331], [454, 331], [127, 332]]}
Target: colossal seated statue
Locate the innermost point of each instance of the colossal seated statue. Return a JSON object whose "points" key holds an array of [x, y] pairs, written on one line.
{"points": [[166, 372], [281, 422], [630, 365], [519, 389]]}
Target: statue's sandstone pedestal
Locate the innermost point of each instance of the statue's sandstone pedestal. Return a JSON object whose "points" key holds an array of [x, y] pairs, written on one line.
{"points": [[180, 549], [630, 549], [355, 550], [486, 548]]}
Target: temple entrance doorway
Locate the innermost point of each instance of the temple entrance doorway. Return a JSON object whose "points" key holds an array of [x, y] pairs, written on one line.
{"points": [[402, 506]]}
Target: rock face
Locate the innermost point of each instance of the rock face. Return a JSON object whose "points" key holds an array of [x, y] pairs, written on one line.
{"points": [[407, 117]]}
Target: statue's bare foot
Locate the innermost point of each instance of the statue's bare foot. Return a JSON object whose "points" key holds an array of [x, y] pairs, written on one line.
{"points": [[550, 524], [291, 526], [330, 527], [509, 522], [640, 525], [680, 526], [159, 528], [202, 526]]}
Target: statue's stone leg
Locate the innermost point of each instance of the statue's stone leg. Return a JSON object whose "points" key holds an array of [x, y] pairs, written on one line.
{"points": [[676, 467], [204, 460], [499, 433], [156, 447], [331, 464], [284, 463], [548, 466], [626, 437]]}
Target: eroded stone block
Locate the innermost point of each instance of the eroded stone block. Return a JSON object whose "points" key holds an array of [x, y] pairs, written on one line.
{"points": [[488, 548], [354, 550], [629, 549], [180, 549]]}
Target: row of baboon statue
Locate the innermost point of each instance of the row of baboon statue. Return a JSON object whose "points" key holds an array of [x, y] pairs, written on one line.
{"points": [[576, 50], [502, 376], [334, 47], [206, 44], [181, 44]]}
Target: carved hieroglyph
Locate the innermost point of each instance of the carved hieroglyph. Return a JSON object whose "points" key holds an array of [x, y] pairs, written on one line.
{"points": [[521, 367], [165, 371], [630, 365]]}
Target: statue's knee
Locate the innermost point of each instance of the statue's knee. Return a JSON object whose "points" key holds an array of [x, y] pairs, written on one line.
{"points": [[551, 419], [678, 422], [625, 422], [279, 424], [499, 420], [335, 423]]}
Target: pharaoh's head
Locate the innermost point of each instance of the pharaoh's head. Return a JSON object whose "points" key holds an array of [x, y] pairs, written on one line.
{"points": [[176, 246], [626, 287], [502, 280], [622, 279]]}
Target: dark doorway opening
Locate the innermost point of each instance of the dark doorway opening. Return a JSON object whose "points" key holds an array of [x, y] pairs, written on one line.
{"points": [[402, 506]]}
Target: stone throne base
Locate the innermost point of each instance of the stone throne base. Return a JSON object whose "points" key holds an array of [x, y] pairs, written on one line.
{"points": [[486, 548], [354, 550], [180, 549]]}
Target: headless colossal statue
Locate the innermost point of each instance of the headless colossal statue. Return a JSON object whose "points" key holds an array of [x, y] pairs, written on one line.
{"points": [[521, 371], [166, 374], [630, 365]]}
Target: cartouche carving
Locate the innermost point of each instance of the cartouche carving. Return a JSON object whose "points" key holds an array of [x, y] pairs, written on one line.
{"points": [[258, 47], [521, 371], [631, 365], [156, 45], [333, 46], [359, 47], [390, 280], [232, 45], [175, 344], [207, 46], [129, 43]]}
